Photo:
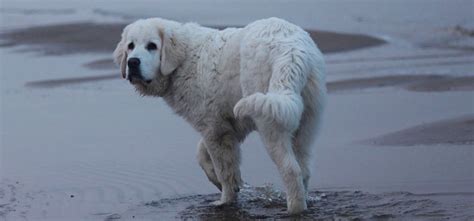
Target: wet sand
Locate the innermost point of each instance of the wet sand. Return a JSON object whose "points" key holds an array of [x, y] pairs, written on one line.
{"points": [[341, 205], [448, 84], [268, 203], [421, 83], [94, 37], [102, 64], [254, 204], [457, 131], [69, 81]]}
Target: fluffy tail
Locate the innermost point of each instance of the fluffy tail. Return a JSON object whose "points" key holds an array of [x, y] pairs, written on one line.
{"points": [[283, 108], [282, 103]]}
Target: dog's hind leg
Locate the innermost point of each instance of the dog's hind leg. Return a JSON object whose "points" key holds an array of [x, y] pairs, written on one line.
{"points": [[313, 96], [278, 142], [206, 164], [225, 155], [303, 155]]}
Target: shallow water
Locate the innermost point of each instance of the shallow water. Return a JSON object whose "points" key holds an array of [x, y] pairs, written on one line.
{"points": [[261, 203], [268, 203]]}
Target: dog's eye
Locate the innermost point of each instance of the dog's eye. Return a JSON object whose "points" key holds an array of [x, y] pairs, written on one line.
{"points": [[151, 46], [131, 46]]}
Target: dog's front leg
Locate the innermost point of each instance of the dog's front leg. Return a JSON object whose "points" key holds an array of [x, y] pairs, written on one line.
{"points": [[225, 155], [206, 164]]}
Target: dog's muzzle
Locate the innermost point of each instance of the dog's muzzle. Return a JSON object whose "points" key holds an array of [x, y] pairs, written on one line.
{"points": [[134, 73]]}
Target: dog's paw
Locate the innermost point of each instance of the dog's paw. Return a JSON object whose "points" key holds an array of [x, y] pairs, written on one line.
{"points": [[219, 203], [227, 198], [296, 206]]}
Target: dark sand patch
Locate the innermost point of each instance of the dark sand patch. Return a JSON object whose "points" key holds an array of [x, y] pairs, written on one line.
{"points": [[37, 11], [378, 82], [330, 42], [102, 64], [464, 31], [114, 14], [400, 58], [95, 37], [449, 84], [52, 83], [434, 65], [255, 203], [424, 83], [459, 131], [67, 38]]}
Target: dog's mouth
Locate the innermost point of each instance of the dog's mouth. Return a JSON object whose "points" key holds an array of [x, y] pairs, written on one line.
{"points": [[158, 86], [138, 79]]}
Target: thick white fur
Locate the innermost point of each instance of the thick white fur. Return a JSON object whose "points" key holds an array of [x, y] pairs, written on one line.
{"points": [[268, 76]]}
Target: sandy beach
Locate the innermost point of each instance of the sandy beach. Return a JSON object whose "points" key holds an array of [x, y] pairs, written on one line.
{"points": [[396, 143]]}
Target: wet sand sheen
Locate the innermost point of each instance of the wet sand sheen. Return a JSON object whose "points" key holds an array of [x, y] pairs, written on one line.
{"points": [[101, 64], [420, 83], [458, 131], [103, 37], [52, 83], [266, 203]]}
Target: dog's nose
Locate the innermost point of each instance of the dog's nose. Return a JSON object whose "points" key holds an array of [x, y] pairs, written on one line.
{"points": [[133, 62]]}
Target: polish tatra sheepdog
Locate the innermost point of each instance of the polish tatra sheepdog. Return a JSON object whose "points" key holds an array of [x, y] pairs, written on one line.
{"points": [[268, 76]]}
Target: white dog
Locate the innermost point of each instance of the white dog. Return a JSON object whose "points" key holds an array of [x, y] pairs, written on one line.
{"points": [[268, 76]]}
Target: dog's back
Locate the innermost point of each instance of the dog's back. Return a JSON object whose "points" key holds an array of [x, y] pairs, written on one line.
{"points": [[281, 72]]}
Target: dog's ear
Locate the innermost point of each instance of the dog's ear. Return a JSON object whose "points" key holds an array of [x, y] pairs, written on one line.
{"points": [[120, 55], [172, 51]]}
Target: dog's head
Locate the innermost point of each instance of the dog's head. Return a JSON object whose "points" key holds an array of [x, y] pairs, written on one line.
{"points": [[148, 53]]}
